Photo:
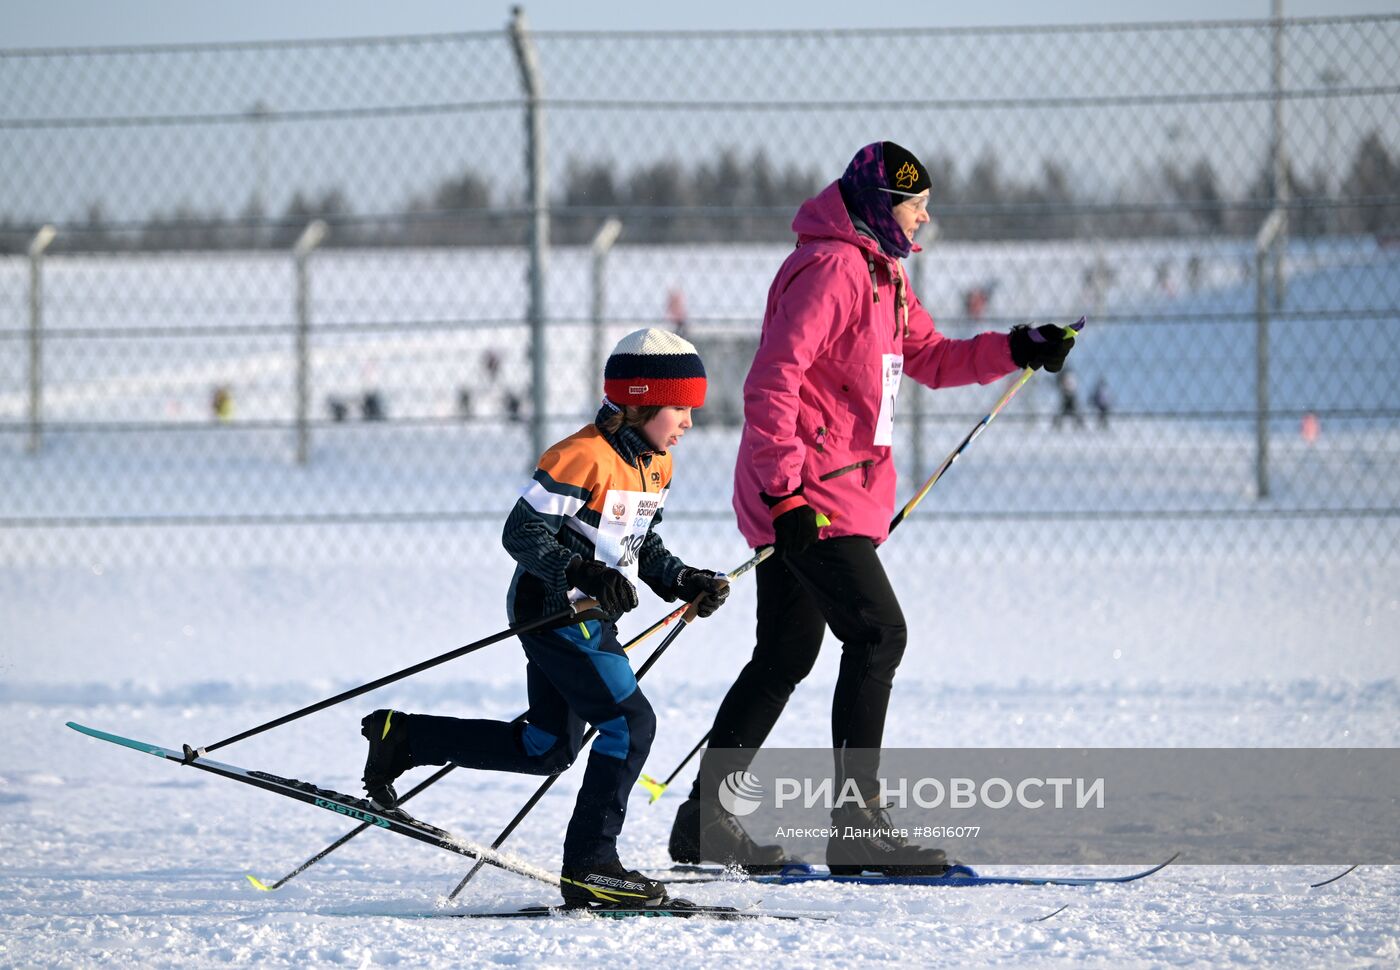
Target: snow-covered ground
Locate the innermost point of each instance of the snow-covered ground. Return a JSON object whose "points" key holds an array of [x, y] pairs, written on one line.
{"points": [[1224, 629], [115, 858]]}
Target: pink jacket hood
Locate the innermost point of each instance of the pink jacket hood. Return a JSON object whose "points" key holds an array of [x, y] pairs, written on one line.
{"points": [[841, 326], [824, 216]]}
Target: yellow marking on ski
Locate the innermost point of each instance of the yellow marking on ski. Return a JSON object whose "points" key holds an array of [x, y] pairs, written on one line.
{"points": [[387, 718], [259, 884]]}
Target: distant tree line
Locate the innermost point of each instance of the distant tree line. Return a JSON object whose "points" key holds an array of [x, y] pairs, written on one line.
{"points": [[746, 199]]}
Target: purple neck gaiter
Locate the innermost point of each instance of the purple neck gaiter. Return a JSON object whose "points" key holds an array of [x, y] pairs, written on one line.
{"points": [[861, 190]]}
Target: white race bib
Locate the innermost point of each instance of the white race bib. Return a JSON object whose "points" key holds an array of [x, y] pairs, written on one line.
{"points": [[892, 366], [626, 517]]}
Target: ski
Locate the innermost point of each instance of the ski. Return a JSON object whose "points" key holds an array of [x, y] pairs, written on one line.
{"points": [[678, 908], [333, 801], [958, 875]]}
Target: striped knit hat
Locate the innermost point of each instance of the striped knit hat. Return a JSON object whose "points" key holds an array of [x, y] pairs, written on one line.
{"points": [[654, 367]]}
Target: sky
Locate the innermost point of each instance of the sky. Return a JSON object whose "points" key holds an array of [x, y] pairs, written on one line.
{"points": [[59, 23]]}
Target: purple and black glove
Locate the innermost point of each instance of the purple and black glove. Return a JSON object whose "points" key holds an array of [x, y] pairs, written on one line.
{"points": [[1045, 346]]}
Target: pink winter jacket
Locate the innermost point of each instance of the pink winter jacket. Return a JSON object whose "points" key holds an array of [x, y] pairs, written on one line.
{"points": [[813, 396]]}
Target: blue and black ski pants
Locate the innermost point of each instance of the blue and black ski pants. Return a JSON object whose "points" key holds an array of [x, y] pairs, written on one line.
{"points": [[576, 674]]}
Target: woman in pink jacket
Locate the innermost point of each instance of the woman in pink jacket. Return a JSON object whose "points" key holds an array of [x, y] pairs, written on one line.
{"points": [[842, 328]]}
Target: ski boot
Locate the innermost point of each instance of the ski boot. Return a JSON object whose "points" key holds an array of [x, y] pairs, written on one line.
{"points": [[724, 838], [389, 756], [609, 884], [877, 847]]}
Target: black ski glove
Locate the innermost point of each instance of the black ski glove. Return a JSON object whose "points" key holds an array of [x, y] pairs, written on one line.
{"points": [[1046, 346], [703, 583], [794, 523], [615, 595]]}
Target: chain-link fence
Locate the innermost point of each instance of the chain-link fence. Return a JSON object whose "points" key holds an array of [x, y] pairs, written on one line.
{"points": [[185, 374]]}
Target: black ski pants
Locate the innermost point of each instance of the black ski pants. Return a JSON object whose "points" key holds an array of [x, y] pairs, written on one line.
{"points": [[837, 583]]}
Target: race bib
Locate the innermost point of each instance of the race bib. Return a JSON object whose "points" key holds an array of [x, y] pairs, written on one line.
{"points": [[892, 366], [626, 517]]}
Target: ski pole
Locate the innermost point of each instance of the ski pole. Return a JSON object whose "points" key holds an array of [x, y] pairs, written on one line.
{"points": [[270, 887], [687, 617], [434, 777], [656, 788], [977, 429], [582, 606]]}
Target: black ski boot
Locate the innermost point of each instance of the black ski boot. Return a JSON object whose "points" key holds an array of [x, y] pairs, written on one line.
{"points": [[609, 884], [875, 846], [724, 838], [389, 756]]}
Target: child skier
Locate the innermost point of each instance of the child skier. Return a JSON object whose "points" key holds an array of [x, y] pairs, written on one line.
{"points": [[582, 528]]}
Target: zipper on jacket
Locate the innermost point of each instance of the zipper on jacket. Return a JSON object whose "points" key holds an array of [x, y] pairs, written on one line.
{"points": [[865, 479]]}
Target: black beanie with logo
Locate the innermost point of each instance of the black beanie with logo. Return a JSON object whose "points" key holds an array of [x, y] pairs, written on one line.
{"points": [[903, 172]]}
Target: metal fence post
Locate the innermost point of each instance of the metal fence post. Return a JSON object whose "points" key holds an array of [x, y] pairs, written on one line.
{"points": [[533, 86], [1268, 263], [37, 245], [1282, 190], [1264, 243], [310, 238], [602, 245]]}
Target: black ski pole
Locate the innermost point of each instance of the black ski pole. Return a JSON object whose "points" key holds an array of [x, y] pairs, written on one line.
{"points": [[658, 789], [681, 624], [562, 616], [435, 776]]}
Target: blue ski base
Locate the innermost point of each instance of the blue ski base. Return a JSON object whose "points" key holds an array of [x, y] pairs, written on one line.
{"points": [[957, 875]]}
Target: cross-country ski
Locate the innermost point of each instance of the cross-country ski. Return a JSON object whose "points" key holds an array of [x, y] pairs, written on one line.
{"points": [[956, 876]]}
